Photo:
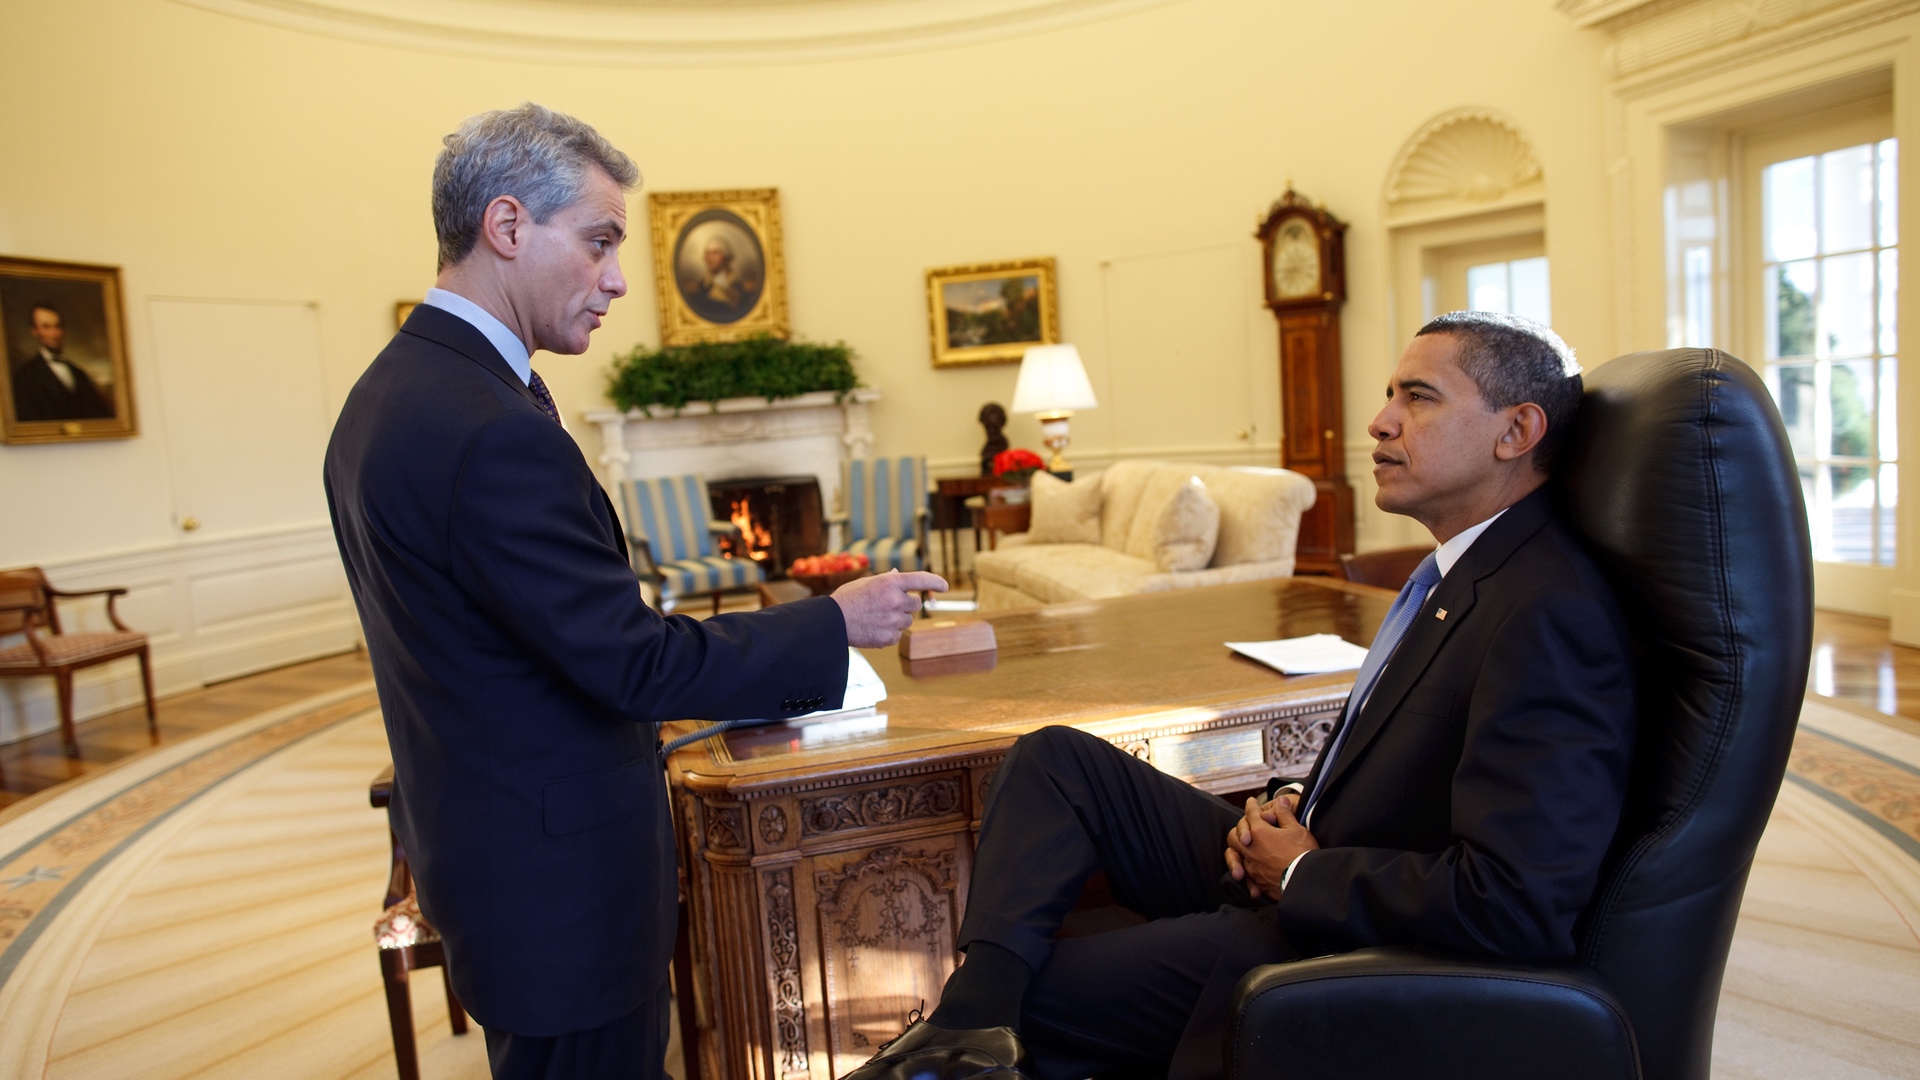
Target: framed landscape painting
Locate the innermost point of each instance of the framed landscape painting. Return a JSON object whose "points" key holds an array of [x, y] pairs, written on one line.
{"points": [[717, 264], [64, 331], [991, 313]]}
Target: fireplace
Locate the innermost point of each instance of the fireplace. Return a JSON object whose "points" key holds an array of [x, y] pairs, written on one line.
{"points": [[779, 519]]}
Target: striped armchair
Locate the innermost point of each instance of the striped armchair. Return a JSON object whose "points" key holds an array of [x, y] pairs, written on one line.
{"points": [[885, 515], [669, 521]]}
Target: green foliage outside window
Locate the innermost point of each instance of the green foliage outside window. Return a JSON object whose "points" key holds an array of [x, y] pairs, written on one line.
{"points": [[1796, 319], [1852, 427], [761, 366]]}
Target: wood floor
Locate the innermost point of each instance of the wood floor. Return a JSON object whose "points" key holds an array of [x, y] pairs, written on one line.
{"points": [[40, 763], [1853, 660]]}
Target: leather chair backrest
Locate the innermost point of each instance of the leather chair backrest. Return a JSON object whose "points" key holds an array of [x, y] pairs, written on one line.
{"points": [[1679, 475]]}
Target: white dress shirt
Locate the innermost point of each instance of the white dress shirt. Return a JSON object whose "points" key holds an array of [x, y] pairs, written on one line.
{"points": [[60, 366], [1443, 560], [503, 339]]}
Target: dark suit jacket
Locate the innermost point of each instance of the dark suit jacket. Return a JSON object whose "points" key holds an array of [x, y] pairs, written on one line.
{"points": [[521, 677], [38, 394], [1481, 785]]}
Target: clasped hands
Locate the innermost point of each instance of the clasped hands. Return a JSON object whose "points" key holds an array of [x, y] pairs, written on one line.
{"points": [[1264, 842]]}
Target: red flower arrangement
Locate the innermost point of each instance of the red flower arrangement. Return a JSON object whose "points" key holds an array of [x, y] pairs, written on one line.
{"points": [[1016, 466]]}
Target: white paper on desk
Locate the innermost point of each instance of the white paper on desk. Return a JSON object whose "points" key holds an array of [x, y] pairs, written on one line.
{"points": [[1310, 655], [864, 688]]}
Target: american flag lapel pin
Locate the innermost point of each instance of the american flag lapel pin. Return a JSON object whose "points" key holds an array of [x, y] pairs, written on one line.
{"points": [[1441, 614]]}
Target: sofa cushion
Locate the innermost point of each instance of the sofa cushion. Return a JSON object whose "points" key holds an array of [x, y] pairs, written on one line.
{"points": [[1057, 573], [1158, 490], [1065, 513], [1259, 512], [1184, 531]]}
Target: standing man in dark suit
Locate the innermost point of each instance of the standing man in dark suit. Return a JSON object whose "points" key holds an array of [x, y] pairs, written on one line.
{"points": [[48, 386], [519, 670], [1463, 803]]}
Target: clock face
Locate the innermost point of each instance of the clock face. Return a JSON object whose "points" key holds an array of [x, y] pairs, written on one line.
{"points": [[1296, 261]]}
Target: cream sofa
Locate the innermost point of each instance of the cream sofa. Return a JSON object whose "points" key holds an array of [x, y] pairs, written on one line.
{"points": [[1258, 522]]}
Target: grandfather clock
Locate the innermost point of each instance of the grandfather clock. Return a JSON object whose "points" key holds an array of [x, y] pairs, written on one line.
{"points": [[1306, 282]]}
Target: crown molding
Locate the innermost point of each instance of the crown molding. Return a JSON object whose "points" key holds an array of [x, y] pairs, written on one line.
{"points": [[1591, 13], [1652, 39], [642, 33]]}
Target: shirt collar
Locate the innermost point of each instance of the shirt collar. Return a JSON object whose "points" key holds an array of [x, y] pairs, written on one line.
{"points": [[512, 349], [1451, 551]]}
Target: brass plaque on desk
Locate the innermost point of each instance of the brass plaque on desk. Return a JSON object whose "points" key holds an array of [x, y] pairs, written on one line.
{"points": [[1190, 757]]}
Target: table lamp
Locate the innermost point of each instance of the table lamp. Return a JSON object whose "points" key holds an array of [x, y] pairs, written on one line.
{"points": [[1052, 384]]}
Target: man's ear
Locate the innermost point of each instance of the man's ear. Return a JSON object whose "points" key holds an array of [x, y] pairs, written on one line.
{"points": [[1526, 426], [503, 226]]}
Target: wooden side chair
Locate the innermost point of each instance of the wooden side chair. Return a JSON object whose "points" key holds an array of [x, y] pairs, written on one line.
{"points": [[28, 606], [884, 511], [406, 942], [1388, 569], [671, 529]]}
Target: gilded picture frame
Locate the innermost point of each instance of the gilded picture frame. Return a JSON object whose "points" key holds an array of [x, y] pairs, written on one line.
{"points": [[63, 327], [718, 268], [991, 313]]}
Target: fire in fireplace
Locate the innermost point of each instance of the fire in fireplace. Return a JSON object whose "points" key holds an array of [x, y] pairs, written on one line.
{"points": [[779, 518]]}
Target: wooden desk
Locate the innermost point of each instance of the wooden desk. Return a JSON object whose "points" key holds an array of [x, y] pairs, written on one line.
{"points": [[827, 867]]}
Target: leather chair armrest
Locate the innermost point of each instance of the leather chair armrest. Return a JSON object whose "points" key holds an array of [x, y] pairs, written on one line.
{"points": [[1395, 1013]]}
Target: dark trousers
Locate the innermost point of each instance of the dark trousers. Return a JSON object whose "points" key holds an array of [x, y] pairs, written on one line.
{"points": [[633, 1047], [1145, 1000]]}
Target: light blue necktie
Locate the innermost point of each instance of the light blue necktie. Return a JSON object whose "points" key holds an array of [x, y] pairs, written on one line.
{"points": [[1399, 617]]}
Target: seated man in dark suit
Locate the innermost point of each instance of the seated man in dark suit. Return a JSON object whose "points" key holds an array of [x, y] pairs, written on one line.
{"points": [[1463, 803], [521, 675]]}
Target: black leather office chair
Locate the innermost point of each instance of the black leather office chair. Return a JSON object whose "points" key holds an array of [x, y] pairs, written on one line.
{"points": [[1680, 477]]}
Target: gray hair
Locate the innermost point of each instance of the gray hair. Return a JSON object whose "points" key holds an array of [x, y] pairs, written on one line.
{"points": [[1515, 361], [532, 153]]}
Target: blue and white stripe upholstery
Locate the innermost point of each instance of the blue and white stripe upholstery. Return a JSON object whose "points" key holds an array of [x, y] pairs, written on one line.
{"points": [[672, 515], [708, 574], [886, 510]]}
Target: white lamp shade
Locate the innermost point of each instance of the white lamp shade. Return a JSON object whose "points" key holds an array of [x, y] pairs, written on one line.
{"points": [[1052, 379]]}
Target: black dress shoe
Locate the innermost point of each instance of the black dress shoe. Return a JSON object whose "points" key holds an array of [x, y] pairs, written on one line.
{"points": [[925, 1052]]}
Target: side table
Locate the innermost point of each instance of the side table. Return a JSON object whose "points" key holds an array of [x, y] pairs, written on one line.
{"points": [[950, 515], [997, 518]]}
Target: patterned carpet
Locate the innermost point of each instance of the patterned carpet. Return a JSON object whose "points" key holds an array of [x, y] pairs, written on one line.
{"points": [[205, 911]]}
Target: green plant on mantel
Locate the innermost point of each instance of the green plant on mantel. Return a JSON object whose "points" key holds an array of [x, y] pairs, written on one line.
{"points": [[711, 371]]}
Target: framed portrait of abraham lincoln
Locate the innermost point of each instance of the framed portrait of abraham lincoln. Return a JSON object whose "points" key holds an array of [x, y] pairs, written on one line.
{"points": [[717, 264], [63, 328]]}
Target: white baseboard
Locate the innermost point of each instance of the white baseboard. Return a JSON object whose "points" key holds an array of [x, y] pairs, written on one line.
{"points": [[213, 608]]}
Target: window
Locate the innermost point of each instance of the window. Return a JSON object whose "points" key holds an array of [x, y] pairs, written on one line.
{"points": [[1829, 274], [1518, 287]]}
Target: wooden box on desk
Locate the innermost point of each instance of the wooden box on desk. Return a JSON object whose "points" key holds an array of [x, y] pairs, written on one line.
{"points": [[827, 864]]}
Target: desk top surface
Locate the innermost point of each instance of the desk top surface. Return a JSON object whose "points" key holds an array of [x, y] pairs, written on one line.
{"points": [[1156, 661]]}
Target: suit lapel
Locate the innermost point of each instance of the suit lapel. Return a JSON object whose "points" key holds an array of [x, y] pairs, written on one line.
{"points": [[1454, 595], [456, 333]]}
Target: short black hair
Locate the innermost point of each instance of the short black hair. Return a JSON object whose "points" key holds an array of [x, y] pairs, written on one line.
{"points": [[44, 306], [1514, 361]]}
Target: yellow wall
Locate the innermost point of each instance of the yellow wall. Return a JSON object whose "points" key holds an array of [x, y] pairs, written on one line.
{"points": [[214, 157]]}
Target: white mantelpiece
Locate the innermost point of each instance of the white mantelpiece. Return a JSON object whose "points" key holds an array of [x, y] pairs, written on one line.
{"points": [[809, 435]]}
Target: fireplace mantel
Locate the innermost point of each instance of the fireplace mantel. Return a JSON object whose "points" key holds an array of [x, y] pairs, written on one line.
{"points": [[739, 437]]}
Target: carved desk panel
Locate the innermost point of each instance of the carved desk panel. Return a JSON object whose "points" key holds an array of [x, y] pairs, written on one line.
{"points": [[827, 863]]}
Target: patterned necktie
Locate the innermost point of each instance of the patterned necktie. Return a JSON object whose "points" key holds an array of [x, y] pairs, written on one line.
{"points": [[1399, 617], [539, 388]]}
